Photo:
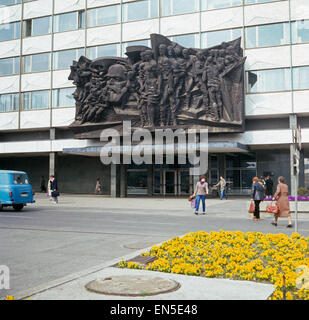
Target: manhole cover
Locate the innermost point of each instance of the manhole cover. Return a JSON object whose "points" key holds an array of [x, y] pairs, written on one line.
{"points": [[138, 245], [129, 285]]}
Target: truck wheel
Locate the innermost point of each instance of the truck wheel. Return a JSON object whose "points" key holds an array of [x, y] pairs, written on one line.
{"points": [[18, 207]]}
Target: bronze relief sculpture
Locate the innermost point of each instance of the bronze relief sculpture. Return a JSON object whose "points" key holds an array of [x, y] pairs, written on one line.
{"points": [[159, 87]]}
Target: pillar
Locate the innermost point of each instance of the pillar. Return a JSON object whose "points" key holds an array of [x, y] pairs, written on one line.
{"points": [[294, 182], [123, 181], [52, 163], [113, 180], [150, 170], [52, 155]]}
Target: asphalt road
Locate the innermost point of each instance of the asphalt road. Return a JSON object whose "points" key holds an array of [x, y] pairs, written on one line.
{"points": [[46, 242]]}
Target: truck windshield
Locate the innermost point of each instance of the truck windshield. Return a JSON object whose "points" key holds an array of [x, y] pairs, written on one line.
{"points": [[20, 179]]}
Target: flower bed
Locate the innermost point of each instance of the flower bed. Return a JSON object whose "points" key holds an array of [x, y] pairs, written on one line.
{"points": [[291, 198], [250, 256]]}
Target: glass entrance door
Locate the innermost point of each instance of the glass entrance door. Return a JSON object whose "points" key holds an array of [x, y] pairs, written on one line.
{"points": [[170, 182], [184, 182], [176, 182]]}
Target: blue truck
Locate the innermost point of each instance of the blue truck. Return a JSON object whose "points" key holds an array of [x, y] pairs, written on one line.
{"points": [[15, 189]]}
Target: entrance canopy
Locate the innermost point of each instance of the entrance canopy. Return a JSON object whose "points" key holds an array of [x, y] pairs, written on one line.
{"points": [[213, 147]]}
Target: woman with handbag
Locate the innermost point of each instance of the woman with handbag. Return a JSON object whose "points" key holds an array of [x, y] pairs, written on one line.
{"points": [[283, 202], [257, 195], [201, 190]]}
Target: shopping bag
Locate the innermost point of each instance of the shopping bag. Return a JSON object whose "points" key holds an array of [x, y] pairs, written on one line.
{"points": [[193, 203], [252, 207], [272, 208]]}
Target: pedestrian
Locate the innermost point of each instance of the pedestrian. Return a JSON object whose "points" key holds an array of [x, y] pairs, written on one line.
{"points": [[262, 180], [282, 202], [43, 184], [222, 185], [98, 187], [257, 195], [201, 190], [269, 185], [49, 191], [54, 188]]}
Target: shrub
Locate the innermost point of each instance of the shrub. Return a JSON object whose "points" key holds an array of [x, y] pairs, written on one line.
{"points": [[302, 191]]}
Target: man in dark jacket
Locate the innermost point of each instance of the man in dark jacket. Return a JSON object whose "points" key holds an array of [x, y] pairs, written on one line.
{"points": [[257, 195], [54, 189], [269, 185]]}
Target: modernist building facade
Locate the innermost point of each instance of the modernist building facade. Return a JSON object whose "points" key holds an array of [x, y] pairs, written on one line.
{"points": [[39, 39]]}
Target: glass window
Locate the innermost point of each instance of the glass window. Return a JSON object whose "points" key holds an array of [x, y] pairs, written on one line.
{"points": [[269, 80], [258, 1], [37, 62], [268, 35], [63, 97], [213, 162], [214, 38], [69, 21], [169, 7], [41, 26], [64, 59], [137, 182], [19, 178], [9, 31], [103, 51], [9, 66], [36, 100], [9, 102], [103, 16], [300, 31], [215, 4], [187, 40], [139, 10], [9, 2], [301, 78]]}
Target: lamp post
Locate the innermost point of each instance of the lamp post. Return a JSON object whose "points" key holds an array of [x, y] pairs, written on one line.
{"points": [[296, 132]]}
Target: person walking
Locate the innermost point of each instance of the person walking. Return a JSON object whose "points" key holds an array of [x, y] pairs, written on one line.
{"points": [[269, 185], [49, 191], [201, 190], [222, 186], [282, 202], [98, 187], [54, 189], [43, 184], [257, 195]]}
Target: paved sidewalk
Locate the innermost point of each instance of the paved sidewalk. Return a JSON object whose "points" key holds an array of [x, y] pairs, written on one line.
{"points": [[191, 288]]}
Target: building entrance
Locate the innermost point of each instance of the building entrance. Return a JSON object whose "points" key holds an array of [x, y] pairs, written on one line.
{"points": [[176, 182]]}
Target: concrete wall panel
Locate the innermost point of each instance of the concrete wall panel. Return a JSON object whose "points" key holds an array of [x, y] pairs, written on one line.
{"points": [[69, 39], [37, 44], [38, 8], [268, 104], [9, 120], [266, 13], [103, 35], [9, 84], [35, 119], [9, 48], [35, 81], [221, 19]]}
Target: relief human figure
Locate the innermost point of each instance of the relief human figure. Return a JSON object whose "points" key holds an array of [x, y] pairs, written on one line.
{"points": [[165, 82], [189, 80], [198, 78], [212, 77], [151, 92]]}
